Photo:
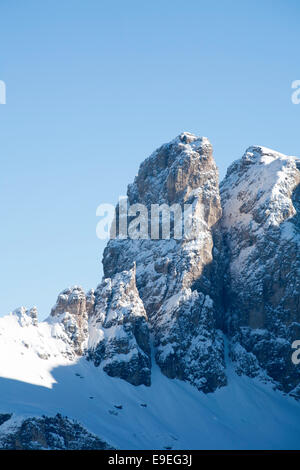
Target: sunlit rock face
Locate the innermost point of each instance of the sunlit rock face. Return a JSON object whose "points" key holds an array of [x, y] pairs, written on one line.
{"points": [[175, 278], [71, 311], [260, 198]]}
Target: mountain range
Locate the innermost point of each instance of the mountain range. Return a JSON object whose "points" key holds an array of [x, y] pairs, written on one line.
{"points": [[186, 343]]}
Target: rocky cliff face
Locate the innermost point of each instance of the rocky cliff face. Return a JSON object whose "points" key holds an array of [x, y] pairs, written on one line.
{"points": [[71, 311], [174, 277], [260, 196], [119, 333]]}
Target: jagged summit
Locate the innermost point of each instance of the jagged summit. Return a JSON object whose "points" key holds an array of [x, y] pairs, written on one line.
{"points": [[186, 140], [258, 151], [173, 171], [26, 316], [260, 199], [260, 187]]}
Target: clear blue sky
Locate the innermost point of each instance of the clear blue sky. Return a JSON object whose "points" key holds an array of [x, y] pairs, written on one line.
{"points": [[94, 86]]}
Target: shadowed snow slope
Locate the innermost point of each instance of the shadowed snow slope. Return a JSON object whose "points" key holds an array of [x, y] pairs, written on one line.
{"points": [[244, 415]]}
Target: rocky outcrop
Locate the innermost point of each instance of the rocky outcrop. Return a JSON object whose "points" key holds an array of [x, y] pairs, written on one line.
{"points": [[118, 330], [26, 316], [49, 433], [175, 277], [71, 311], [260, 197]]}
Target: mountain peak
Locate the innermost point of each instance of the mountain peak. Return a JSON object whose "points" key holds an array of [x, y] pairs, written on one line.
{"points": [[202, 309]]}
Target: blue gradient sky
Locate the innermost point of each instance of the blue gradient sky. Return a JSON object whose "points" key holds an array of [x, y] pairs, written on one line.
{"points": [[93, 87]]}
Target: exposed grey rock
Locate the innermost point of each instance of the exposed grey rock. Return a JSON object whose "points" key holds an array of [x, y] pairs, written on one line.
{"points": [[175, 277], [118, 330], [260, 197], [71, 311], [54, 433], [71, 300], [90, 302]]}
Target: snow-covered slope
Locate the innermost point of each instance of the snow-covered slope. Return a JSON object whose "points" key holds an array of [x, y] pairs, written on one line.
{"points": [[29, 350], [170, 413]]}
